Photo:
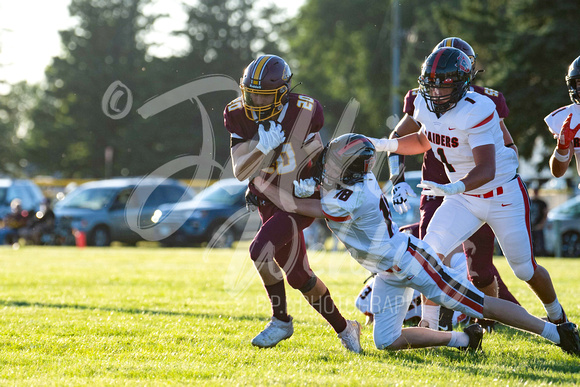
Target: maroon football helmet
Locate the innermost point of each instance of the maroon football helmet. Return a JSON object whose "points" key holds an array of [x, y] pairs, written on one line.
{"points": [[463, 46], [265, 86]]}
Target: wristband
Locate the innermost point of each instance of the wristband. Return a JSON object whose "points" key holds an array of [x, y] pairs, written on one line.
{"points": [[561, 158]]}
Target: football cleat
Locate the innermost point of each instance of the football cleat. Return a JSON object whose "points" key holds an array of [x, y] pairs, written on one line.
{"points": [[350, 337], [275, 331], [569, 340], [487, 325], [562, 320], [475, 333]]}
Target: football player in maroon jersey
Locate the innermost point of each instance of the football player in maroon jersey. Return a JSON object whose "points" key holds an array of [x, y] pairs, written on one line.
{"points": [[274, 134], [479, 247]]}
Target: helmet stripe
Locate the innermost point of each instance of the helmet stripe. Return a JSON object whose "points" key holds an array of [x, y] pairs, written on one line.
{"points": [[259, 68], [434, 65], [448, 43], [348, 146]]}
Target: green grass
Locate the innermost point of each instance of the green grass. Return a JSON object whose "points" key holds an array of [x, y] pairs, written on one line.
{"points": [[186, 316]]}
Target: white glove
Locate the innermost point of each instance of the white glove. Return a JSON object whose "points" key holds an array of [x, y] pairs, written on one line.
{"points": [[304, 188], [433, 189], [401, 192], [385, 144], [270, 139]]}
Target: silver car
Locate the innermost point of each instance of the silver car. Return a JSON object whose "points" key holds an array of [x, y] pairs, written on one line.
{"points": [[562, 229], [98, 209]]}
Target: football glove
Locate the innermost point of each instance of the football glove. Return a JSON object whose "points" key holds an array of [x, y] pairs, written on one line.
{"points": [[567, 133], [305, 187], [401, 192], [270, 139], [433, 189]]}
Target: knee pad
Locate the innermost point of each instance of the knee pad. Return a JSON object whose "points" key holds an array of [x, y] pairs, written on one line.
{"points": [[524, 271], [482, 277], [308, 285], [261, 251]]}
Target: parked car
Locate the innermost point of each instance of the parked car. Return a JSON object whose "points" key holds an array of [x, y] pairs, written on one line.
{"points": [[98, 209], [562, 229], [217, 214], [27, 191]]}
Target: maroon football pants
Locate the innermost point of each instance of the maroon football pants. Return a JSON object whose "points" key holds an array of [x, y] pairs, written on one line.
{"points": [[281, 238]]}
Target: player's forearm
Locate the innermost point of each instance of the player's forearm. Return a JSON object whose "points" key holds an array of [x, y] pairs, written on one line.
{"points": [[413, 144], [560, 161], [287, 202], [246, 160]]}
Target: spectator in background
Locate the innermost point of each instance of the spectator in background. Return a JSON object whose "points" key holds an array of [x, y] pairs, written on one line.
{"points": [[14, 222], [538, 216]]}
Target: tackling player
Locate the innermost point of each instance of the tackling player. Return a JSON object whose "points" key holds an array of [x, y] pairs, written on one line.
{"points": [[462, 128], [274, 134], [358, 214], [564, 124]]}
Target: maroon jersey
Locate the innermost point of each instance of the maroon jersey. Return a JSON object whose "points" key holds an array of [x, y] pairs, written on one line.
{"points": [[433, 169], [301, 118]]}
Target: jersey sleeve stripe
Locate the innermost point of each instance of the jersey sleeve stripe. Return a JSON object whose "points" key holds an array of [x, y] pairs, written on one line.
{"points": [[484, 121], [336, 218]]}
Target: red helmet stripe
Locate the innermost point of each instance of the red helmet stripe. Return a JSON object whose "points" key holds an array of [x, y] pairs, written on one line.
{"points": [[434, 66], [259, 67], [347, 147]]}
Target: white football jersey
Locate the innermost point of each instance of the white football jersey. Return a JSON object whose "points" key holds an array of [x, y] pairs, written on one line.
{"points": [[471, 123], [555, 120], [359, 215]]}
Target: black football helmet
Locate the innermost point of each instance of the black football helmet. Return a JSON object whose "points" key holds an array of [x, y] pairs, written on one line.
{"points": [[571, 77], [445, 68], [267, 76], [463, 46], [346, 159]]}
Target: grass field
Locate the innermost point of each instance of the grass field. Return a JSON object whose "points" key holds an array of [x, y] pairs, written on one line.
{"points": [[156, 316]]}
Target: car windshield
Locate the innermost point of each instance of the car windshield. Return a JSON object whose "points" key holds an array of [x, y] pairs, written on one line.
{"points": [[571, 207], [220, 194], [3, 195], [91, 198]]}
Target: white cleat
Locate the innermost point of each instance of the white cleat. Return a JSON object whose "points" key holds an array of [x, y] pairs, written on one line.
{"points": [[275, 331], [350, 337]]}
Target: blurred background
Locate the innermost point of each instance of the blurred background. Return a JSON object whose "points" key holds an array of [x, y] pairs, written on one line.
{"points": [[58, 58]]}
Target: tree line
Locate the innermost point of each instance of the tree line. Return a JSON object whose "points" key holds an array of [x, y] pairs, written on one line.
{"points": [[337, 50]]}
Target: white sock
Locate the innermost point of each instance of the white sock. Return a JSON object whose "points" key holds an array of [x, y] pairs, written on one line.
{"points": [[550, 332], [430, 314], [554, 310], [458, 339]]}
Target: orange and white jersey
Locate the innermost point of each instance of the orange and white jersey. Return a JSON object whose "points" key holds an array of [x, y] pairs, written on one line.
{"points": [[473, 122], [555, 120], [359, 216]]}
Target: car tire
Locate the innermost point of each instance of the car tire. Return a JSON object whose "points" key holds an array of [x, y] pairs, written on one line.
{"points": [[100, 237], [571, 244], [224, 240]]}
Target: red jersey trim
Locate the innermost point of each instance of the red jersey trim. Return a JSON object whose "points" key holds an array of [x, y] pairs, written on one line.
{"points": [[336, 218], [484, 121]]}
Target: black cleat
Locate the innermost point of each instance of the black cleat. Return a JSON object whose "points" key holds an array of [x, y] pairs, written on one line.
{"points": [[569, 340], [487, 325], [475, 333]]}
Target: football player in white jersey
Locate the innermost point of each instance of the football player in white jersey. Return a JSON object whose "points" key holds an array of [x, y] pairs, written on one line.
{"points": [[462, 128], [357, 212], [564, 124]]}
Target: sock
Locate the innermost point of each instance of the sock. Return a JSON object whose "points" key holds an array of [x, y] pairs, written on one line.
{"points": [[430, 314], [554, 310], [327, 309], [550, 332], [458, 339], [277, 296]]}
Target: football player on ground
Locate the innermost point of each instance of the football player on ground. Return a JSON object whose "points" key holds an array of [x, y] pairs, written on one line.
{"points": [[274, 134], [564, 123], [463, 130], [357, 212]]}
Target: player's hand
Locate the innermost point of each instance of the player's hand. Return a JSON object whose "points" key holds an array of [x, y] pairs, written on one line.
{"points": [[567, 133], [270, 139], [433, 189], [304, 188], [401, 193]]}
